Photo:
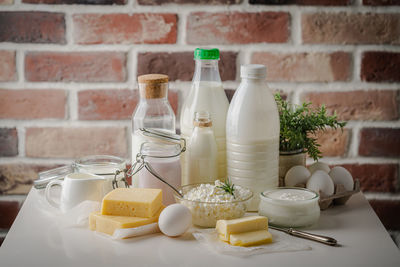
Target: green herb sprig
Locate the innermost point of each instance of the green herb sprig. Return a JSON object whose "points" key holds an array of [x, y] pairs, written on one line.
{"points": [[299, 124], [228, 187]]}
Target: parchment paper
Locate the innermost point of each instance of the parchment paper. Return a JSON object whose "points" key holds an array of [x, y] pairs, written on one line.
{"points": [[281, 243]]}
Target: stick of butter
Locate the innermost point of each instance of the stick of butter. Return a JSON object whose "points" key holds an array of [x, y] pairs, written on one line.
{"points": [[108, 224], [251, 238], [225, 228], [136, 202]]}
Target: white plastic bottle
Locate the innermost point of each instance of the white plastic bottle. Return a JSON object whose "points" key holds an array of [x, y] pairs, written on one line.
{"points": [[252, 132], [206, 94], [202, 151], [153, 111]]}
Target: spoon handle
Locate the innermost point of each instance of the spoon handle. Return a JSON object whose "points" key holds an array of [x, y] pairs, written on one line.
{"points": [[319, 238]]}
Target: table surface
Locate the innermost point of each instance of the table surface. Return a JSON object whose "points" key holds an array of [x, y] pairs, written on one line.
{"points": [[36, 240]]}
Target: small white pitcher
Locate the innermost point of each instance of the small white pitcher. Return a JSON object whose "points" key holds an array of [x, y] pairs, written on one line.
{"points": [[75, 188]]}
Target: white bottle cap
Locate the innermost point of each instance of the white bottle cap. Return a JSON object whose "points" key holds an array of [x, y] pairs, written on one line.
{"points": [[253, 71]]}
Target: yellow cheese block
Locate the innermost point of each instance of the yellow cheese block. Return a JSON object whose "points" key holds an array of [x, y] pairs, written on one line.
{"points": [[225, 228], [252, 238], [135, 202], [108, 224]]}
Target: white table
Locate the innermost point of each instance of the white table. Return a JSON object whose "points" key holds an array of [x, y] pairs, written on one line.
{"points": [[35, 240]]}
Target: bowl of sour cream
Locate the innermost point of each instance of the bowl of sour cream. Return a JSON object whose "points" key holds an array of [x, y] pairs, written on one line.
{"points": [[290, 207]]}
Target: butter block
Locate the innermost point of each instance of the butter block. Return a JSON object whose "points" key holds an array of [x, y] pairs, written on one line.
{"points": [[225, 228], [135, 202], [108, 223], [252, 238]]}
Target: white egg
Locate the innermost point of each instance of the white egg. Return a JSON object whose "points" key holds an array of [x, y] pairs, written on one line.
{"points": [[297, 175], [342, 176], [174, 220], [319, 166], [321, 181]]}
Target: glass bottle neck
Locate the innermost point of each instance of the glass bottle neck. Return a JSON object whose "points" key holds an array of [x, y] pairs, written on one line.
{"points": [[206, 70]]}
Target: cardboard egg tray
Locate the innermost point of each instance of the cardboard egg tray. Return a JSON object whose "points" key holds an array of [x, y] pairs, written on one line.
{"points": [[339, 197]]}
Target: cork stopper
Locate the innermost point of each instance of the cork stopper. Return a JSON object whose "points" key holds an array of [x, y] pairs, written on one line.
{"points": [[153, 85], [202, 119]]}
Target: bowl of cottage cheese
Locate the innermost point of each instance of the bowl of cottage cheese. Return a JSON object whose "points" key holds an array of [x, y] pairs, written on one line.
{"points": [[210, 202]]}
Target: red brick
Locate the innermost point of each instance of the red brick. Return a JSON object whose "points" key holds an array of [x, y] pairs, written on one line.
{"points": [[32, 104], [75, 67], [237, 28], [7, 66], [302, 2], [377, 66], [334, 143], [180, 65], [199, 2], [17, 178], [379, 142], [77, 2], [113, 104], [76, 142], [359, 105], [6, 2], [32, 27], [375, 177], [8, 142], [350, 28], [388, 212], [145, 28], [305, 67], [8, 211], [381, 2]]}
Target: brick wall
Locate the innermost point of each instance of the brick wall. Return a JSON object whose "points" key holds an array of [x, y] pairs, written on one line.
{"points": [[68, 69]]}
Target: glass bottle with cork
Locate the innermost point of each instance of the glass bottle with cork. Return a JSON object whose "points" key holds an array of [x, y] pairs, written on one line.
{"points": [[202, 151]]}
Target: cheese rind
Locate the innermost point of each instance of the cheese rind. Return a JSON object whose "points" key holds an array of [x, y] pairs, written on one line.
{"points": [[108, 224], [225, 228], [135, 202], [252, 238]]}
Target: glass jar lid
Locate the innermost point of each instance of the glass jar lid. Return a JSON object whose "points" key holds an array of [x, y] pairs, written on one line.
{"points": [[99, 161]]}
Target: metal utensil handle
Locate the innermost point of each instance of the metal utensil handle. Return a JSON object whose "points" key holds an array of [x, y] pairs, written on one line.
{"points": [[155, 174], [319, 238]]}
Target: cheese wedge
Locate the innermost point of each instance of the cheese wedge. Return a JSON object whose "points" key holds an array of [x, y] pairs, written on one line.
{"points": [[108, 224], [225, 228], [251, 238], [135, 202]]}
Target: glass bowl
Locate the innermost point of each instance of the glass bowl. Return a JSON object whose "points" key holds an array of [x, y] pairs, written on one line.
{"points": [[206, 214], [290, 207]]}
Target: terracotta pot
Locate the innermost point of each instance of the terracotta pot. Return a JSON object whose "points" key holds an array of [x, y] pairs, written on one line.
{"points": [[288, 159]]}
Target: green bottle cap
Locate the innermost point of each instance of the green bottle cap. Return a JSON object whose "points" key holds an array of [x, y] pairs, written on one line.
{"points": [[203, 53]]}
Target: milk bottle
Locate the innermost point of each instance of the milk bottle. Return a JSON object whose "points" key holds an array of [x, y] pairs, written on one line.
{"points": [[252, 132], [206, 94], [152, 112], [202, 151]]}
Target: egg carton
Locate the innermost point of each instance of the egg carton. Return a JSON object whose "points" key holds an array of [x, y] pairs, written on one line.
{"points": [[339, 197]]}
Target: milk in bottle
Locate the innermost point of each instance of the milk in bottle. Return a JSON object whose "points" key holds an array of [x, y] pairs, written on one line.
{"points": [[252, 133], [202, 151], [206, 94]]}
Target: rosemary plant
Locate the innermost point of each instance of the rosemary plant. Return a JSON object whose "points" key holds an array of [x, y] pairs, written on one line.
{"points": [[228, 187], [299, 125]]}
